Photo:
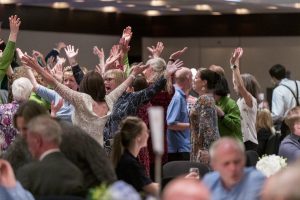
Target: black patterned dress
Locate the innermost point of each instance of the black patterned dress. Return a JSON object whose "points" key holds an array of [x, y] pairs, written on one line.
{"points": [[204, 128]]}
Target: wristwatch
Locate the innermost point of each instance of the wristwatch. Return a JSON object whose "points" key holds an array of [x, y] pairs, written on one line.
{"points": [[233, 66]]}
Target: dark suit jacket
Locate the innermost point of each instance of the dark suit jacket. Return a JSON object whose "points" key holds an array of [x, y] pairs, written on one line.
{"points": [[54, 175]]}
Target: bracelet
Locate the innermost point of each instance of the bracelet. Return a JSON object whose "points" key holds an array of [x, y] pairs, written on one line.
{"points": [[172, 60]]}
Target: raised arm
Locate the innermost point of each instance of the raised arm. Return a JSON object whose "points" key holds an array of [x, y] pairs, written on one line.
{"points": [[155, 52], [236, 75], [116, 93], [72, 58], [8, 53]]}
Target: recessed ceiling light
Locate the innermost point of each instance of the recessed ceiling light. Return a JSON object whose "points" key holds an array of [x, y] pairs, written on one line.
{"points": [[242, 11], [7, 1], [130, 5], [297, 5], [272, 7], [109, 9], [152, 12], [60, 5], [233, 0], [216, 13], [157, 3], [203, 7], [106, 0], [119, 1], [175, 9], [79, 1]]}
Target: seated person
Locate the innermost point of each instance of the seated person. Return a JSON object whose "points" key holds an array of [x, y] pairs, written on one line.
{"points": [[132, 136], [290, 145], [231, 180], [53, 173]]}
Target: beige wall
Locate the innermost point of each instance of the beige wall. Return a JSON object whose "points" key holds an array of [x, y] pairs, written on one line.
{"points": [[45, 41], [260, 53]]}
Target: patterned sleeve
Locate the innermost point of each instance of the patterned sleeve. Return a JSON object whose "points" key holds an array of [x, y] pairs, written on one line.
{"points": [[77, 99], [146, 94]]}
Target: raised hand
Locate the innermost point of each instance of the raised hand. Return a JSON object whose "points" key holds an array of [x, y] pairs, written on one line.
{"points": [[51, 62], [156, 51], [139, 68], [173, 67], [236, 55], [111, 60], [57, 107], [177, 54], [7, 177], [40, 57], [20, 53], [14, 24], [60, 60], [57, 72], [71, 54], [127, 34], [99, 69]]}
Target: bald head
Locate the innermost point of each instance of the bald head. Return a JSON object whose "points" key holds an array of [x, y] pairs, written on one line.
{"points": [[217, 69], [225, 144], [187, 189]]}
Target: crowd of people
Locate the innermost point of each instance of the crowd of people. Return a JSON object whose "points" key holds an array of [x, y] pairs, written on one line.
{"points": [[65, 129]]}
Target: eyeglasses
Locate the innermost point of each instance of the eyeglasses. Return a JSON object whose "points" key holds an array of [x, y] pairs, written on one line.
{"points": [[109, 79]]}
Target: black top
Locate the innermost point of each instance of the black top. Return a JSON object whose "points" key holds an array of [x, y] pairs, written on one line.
{"points": [[263, 135], [132, 172]]}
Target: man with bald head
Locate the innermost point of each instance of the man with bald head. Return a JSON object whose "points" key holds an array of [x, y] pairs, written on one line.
{"points": [[230, 179], [186, 189], [178, 132]]}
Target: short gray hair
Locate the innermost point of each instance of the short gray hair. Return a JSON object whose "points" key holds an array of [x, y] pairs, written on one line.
{"points": [[21, 89], [238, 145], [46, 127]]}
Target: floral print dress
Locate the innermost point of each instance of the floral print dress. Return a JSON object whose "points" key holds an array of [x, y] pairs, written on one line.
{"points": [[7, 130], [204, 128]]}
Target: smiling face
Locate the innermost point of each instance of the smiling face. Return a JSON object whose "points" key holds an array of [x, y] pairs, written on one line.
{"points": [[70, 81]]}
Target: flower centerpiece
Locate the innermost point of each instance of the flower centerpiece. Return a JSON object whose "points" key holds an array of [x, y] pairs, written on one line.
{"points": [[270, 164]]}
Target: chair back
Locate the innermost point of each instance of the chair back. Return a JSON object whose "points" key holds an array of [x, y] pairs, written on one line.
{"points": [[174, 169], [251, 158], [273, 144]]}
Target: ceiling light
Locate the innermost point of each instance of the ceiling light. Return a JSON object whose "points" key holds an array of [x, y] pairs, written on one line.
{"points": [[242, 11], [106, 0], [233, 0], [216, 13], [152, 12], [203, 7], [7, 1], [158, 3], [109, 9], [130, 5], [175, 9], [79, 1], [297, 5], [60, 5], [272, 7]]}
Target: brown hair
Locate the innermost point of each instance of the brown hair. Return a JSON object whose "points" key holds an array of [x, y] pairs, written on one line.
{"points": [[93, 85], [264, 120], [292, 117], [129, 129]]}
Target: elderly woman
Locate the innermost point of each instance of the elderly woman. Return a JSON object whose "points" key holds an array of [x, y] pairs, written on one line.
{"points": [[21, 89]]}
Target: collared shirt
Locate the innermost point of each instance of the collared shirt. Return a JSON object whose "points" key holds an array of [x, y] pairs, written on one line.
{"points": [[178, 141], [290, 147], [48, 152], [17, 192], [283, 99], [248, 188]]}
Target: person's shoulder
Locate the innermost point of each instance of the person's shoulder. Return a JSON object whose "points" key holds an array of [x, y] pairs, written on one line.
{"points": [[210, 178], [253, 174]]}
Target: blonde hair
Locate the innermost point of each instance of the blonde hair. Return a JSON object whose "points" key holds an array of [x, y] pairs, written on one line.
{"points": [[264, 120], [118, 74], [292, 117]]}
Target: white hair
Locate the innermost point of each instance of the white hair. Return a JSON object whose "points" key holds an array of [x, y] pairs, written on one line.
{"points": [[234, 143], [21, 89], [157, 64]]}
